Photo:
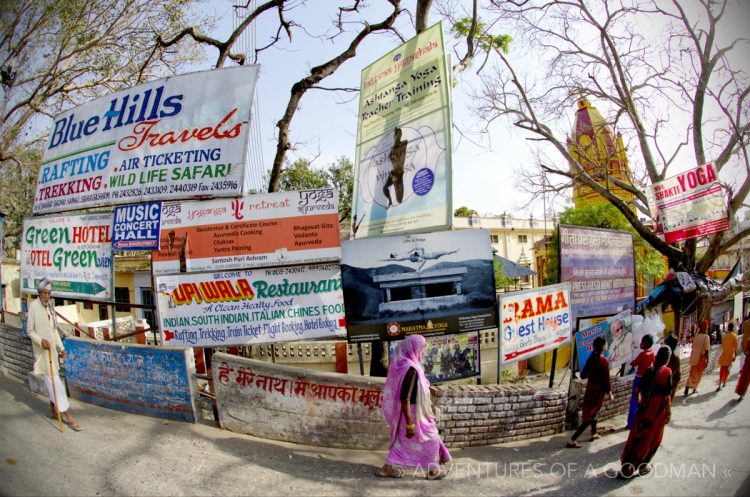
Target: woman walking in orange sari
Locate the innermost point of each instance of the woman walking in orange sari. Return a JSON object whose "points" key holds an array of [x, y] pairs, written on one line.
{"points": [[654, 412]]}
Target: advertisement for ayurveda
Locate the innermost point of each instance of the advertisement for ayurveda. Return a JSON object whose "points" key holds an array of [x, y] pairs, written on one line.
{"points": [[403, 160], [73, 251], [162, 140], [534, 321], [431, 284], [251, 307], [271, 229]]}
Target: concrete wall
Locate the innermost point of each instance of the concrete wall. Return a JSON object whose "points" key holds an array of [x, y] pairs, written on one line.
{"points": [[141, 379], [298, 405]]}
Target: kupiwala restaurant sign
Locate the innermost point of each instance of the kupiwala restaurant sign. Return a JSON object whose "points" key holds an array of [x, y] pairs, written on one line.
{"points": [[688, 205], [273, 229], [74, 251], [168, 139], [251, 307]]}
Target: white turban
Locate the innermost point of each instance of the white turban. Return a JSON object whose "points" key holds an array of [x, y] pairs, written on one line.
{"points": [[44, 285]]}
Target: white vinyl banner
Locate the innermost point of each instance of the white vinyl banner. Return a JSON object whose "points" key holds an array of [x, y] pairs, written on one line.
{"points": [[74, 251], [251, 307], [534, 321], [172, 138], [688, 205]]}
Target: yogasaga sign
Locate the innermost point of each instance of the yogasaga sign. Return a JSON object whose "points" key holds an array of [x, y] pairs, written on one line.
{"points": [[251, 307], [171, 138], [272, 229], [688, 205], [534, 321], [74, 251], [403, 165], [600, 266]]}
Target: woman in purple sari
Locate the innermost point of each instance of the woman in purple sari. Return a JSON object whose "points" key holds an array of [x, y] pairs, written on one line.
{"points": [[415, 441]]}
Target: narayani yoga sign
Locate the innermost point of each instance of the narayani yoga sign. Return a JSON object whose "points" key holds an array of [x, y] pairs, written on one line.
{"points": [[167, 139]]}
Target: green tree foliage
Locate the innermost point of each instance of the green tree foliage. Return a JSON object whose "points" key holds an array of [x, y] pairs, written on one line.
{"points": [[301, 175], [501, 281], [649, 263], [464, 211], [55, 55], [485, 41]]}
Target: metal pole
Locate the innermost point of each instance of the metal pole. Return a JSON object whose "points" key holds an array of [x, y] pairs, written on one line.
{"points": [[552, 372], [361, 361]]}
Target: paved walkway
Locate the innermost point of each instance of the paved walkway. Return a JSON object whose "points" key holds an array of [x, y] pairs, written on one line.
{"points": [[706, 452]]}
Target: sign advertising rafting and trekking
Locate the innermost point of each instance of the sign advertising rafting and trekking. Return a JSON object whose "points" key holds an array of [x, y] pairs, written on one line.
{"points": [[74, 251], [430, 284], [534, 321], [251, 307], [688, 205], [172, 138], [600, 266], [403, 164], [272, 229], [136, 227]]}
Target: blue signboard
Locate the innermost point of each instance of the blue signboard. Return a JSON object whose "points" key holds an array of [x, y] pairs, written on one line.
{"points": [[134, 378], [136, 227]]}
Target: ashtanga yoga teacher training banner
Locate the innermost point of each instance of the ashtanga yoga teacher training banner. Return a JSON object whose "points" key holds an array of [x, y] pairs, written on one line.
{"points": [[171, 138], [273, 229], [688, 205], [600, 266], [74, 251], [251, 307], [534, 321], [403, 164]]}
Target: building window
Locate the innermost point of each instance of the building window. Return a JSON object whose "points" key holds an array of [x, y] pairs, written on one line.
{"points": [[523, 239], [147, 298], [495, 238], [103, 312], [122, 295], [88, 305]]}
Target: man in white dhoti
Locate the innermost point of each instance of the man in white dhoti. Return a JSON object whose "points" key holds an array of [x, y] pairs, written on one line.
{"points": [[42, 329]]}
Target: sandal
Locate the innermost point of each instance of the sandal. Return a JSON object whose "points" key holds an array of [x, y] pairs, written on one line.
{"points": [[437, 476], [645, 469], [393, 473], [595, 436], [573, 445], [73, 425]]}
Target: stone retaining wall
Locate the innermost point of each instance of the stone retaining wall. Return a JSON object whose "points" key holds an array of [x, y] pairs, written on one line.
{"points": [[622, 389], [16, 354], [472, 415]]}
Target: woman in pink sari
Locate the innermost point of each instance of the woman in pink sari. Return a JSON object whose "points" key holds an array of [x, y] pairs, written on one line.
{"points": [[415, 441]]}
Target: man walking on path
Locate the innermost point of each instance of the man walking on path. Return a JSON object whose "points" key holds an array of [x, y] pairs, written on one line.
{"points": [[698, 358], [728, 355], [42, 329]]}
